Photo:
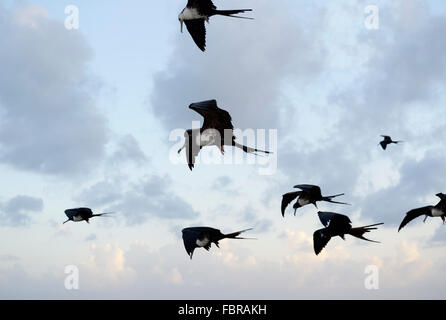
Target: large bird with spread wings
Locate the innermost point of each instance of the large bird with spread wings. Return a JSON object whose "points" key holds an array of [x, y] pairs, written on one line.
{"points": [[203, 237], [386, 141], [309, 194], [217, 130], [338, 225], [81, 214], [196, 13], [439, 210]]}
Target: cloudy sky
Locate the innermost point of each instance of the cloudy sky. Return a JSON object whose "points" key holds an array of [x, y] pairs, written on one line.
{"points": [[90, 117]]}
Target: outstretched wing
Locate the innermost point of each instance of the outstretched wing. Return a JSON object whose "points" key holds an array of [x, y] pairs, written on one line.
{"points": [[314, 191], [320, 240], [214, 117], [413, 214], [383, 145], [332, 217], [287, 198], [197, 30], [203, 6], [190, 236]]}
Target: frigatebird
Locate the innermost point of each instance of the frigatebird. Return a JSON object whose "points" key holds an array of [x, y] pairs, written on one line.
{"points": [[338, 225], [217, 130], [197, 12], [309, 194], [81, 214], [439, 210], [387, 140], [203, 237]]}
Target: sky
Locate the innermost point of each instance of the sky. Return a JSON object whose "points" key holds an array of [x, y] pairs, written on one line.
{"points": [[93, 117]]}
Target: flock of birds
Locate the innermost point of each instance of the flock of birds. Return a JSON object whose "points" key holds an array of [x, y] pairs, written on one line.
{"points": [[217, 130]]}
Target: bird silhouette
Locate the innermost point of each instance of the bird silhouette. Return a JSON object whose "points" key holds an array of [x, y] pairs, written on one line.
{"points": [[81, 214], [439, 210], [387, 140], [197, 12], [203, 237], [217, 130], [310, 194], [338, 225]]}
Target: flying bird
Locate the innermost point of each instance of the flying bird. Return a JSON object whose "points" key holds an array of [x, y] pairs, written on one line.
{"points": [[387, 140], [439, 210], [217, 130], [197, 12], [81, 214], [338, 225], [203, 237], [309, 194]]}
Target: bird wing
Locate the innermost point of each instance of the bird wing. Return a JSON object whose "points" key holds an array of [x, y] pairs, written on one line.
{"points": [[315, 191], [190, 236], [287, 198], [203, 6], [383, 145], [192, 149], [328, 218], [214, 117], [320, 240], [71, 213], [413, 214], [197, 30]]}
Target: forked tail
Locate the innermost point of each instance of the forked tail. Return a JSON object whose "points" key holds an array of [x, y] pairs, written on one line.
{"points": [[248, 149], [102, 214], [330, 199], [235, 235], [230, 13], [359, 232]]}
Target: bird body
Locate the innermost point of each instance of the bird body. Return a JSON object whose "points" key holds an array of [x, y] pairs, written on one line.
{"points": [[191, 14], [337, 225], [439, 210], [196, 13], [387, 140], [309, 194], [217, 130], [203, 237]]}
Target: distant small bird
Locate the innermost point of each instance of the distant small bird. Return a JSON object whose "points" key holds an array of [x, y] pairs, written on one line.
{"points": [[217, 130], [387, 140], [197, 12], [338, 225], [203, 237], [439, 210], [81, 214], [309, 194]]}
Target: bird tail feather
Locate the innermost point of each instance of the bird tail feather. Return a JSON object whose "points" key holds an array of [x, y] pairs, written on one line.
{"points": [[235, 235], [102, 214], [359, 232], [330, 199], [230, 13], [248, 149]]}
